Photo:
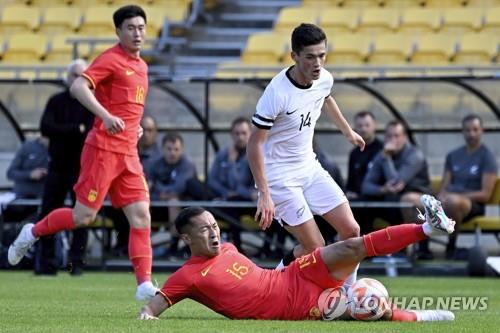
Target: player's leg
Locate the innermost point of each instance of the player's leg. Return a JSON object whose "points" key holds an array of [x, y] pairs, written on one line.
{"points": [[326, 198], [130, 192], [343, 256], [97, 171]]}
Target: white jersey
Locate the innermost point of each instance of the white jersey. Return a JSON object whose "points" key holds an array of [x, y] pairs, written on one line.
{"points": [[290, 111]]}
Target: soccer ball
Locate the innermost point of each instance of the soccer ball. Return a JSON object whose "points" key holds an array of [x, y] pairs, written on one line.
{"points": [[332, 303], [367, 299]]}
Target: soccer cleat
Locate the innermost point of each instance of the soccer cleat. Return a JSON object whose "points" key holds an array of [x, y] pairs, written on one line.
{"points": [[434, 315], [435, 215], [21, 245], [145, 291]]}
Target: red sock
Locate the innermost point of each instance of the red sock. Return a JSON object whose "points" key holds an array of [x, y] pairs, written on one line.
{"points": [[403, 315], [140, 253], [392, 239], [57, 220]]}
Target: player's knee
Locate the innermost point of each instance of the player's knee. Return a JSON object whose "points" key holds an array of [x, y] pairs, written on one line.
{"points": [[142, 219], [83, 218], [352, 230], [310, 247]]}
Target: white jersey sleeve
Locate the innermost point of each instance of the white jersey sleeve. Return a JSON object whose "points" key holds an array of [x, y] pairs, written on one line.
{"points": [[267, 109]]}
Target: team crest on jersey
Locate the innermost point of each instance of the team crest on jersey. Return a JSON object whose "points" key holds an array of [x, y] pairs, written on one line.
{"points": [[314, 313], [92, 196]]}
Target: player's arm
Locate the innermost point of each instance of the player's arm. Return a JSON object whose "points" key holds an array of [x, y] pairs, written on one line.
{"points": [[255, 154], [333, 111], [81, 90], [156, 306]]}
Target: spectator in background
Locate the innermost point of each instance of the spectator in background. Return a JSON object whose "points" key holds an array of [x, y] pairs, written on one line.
{"points": [[148, 145], [28, 169], [365, 125], [470, 173], [230, 177], [66, 123], [169, 177], [399, 173]]}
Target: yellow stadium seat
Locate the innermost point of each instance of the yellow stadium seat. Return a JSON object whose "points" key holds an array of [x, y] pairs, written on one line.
{"points": [[444, 3], [483, 3], [402, 3], [434, 50], [60, 49], [348, 49], [238, 70], [19, 19], [393, 49], [379, 20], [492, 21], [322, 3], [60, 19], [360, 3], [462, 20], [420, 20], [335, 20], [265, 49], [477, 49], [289, 18], [25, 48], [98, 20]]}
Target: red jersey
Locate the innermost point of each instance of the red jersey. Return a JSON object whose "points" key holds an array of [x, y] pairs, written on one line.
{"points": [[120, 82], [235, 287]]}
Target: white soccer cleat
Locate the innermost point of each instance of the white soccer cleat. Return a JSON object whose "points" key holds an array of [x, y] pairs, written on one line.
{"points": [[434, 315], [145, 291], [435, 215], [21, 245]]}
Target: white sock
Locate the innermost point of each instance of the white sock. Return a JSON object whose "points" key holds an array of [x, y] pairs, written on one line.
{"points": [[280, 266], [30, 235], [351, 278], [427, 228]]}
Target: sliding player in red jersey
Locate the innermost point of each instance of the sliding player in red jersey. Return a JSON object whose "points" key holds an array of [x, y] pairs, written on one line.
{"points": [[226, 281], [109, 161]]}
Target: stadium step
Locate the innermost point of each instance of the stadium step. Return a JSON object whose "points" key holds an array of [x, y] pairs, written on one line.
{"points": [[203, 60]]}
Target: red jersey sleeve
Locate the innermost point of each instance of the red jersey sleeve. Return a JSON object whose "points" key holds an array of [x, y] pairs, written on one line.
{"points": [[101, 69], [178, 286]]}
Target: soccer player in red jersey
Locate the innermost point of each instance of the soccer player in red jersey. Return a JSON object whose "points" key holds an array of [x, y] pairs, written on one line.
{"points": [[226, 281], [109, 161]]}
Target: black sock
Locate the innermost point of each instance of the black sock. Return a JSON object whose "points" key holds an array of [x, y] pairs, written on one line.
{"points": [[288, 258]]}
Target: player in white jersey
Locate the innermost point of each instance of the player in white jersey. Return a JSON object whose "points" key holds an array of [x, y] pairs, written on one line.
{"points": [[292, 185]]}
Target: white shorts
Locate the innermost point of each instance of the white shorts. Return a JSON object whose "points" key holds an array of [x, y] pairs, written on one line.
{"points": [[314, 193]]}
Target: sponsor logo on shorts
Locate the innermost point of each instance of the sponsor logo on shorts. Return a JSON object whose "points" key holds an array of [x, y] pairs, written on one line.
{"points": [[92, 196]]}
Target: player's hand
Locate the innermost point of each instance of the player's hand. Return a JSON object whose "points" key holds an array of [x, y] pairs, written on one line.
{"points": [[113, 124], [140, 132], [147, 316], [265, 210], [356, 140]]}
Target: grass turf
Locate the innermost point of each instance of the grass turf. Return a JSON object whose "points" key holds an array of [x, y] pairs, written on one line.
{"points": [[103, 302]]}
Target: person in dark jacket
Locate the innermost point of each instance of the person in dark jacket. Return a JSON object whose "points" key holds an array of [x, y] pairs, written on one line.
{"points": [[66, 123]]}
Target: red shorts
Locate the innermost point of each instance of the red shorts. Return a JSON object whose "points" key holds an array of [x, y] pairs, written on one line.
{"points": [[104, 172], [309, 276]]}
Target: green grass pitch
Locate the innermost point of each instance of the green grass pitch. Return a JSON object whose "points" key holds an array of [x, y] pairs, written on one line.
{"points": [[103, 302]]}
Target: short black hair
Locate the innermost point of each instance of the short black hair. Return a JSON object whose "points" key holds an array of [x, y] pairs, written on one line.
{"points": [[183, 220], [126, 12], [172, 137], [239, 120], [306, 34], [471, 117], [397, 122], [362, 114]]}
